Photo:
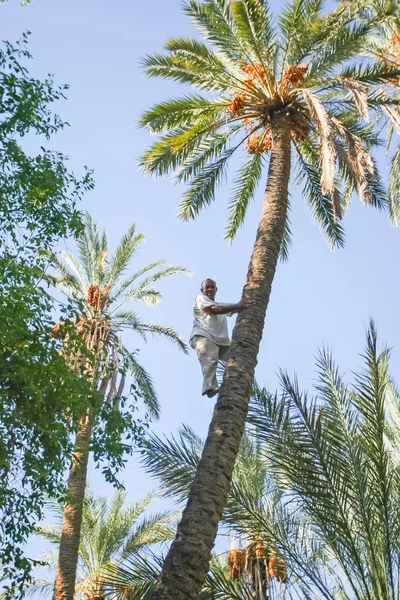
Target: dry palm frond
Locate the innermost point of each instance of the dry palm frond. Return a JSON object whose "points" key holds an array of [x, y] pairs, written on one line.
{"points": [[393, 113], [359, 162], [358, 91], [326, 133], [337, 209]]}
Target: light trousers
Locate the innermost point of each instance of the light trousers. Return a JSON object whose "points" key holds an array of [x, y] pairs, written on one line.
{"points": [[209, 354]]}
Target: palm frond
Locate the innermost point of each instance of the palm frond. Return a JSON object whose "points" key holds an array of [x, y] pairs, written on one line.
{"points": [[161, 330], [370, 73], [145, 386], [320, 204], [172, 461], [178, 112], [325, 131], [76, 268], [176, 146], [139, 292], [42, 588], [152, 530], [68, 280], [358, 93], [361, 166], [130, 320], [211, 146], [49, 533], [394, 187], [89, 245], [201, 190], [200, 67], [128, 282], [134, 578], [286, 239], [244, 189], [297, 20], [123, 254], [213, 18], [147, 295], [341, 44], [253, 26]]}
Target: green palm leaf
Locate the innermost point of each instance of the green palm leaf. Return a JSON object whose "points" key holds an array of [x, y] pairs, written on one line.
{"points": [[244, 189], [176, 112], [123, 255], [202, 189]]}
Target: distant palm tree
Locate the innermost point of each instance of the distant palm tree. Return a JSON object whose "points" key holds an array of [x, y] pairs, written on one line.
{"points": [[109, 533], [298, 89], [93, 283]]}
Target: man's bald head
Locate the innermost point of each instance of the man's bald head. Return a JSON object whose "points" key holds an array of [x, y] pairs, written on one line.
{"points": [[209, 288]]}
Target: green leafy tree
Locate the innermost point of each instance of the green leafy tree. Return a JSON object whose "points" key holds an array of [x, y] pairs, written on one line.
{"points": [[110, 532], [104, 295], [38, 206], [297, 90]]}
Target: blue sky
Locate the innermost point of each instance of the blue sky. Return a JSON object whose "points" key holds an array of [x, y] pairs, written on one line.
{"points": [[318, 297]]}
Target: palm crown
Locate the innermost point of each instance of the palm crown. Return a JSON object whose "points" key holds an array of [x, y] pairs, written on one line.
{"points": [[93, 282], [252, 67], [110, 531]]}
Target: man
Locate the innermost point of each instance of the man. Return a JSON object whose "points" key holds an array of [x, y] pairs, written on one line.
{"points": [[209, 335]]}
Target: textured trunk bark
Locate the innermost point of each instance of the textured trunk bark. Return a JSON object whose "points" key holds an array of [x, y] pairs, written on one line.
{"points": [[64, 587], [186, 565]]}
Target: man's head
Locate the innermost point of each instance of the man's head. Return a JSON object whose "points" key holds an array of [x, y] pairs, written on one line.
{"points": [[209, 288]]}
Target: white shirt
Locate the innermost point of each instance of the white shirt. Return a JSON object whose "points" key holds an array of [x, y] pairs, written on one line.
{"points": [[214, 327]]}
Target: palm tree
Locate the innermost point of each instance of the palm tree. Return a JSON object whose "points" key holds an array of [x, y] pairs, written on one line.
{"points": [[336, 455], [94, 284], [297, 91], [109, 533], [316, 484]]}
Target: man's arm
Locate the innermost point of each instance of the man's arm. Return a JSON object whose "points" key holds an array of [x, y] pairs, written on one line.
{"points": [[224, 309]]}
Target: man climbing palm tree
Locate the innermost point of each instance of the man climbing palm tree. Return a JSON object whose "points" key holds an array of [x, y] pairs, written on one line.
{"points": [[291, 95], [209, 335]]}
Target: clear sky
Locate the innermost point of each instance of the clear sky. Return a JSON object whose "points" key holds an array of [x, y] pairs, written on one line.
{"points": [[318, 297]]}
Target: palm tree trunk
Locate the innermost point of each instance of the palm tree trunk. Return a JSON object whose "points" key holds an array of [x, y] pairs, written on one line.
{"points": [[187, 562], [64, 587]]}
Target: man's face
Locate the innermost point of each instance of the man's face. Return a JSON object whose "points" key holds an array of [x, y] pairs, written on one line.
{"points": [[209, 288]]}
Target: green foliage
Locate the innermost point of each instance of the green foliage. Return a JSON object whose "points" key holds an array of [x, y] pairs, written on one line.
{"points": [[39, 395]]}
